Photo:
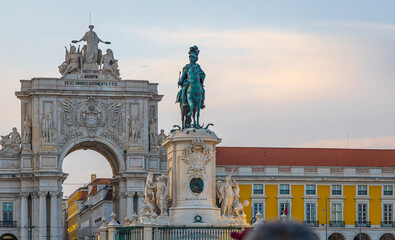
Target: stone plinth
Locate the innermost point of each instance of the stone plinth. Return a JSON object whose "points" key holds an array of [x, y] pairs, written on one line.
{"points": [[191, 157]]}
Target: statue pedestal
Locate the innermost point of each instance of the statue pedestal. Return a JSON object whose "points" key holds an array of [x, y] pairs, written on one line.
{"points": [[191, 157]]}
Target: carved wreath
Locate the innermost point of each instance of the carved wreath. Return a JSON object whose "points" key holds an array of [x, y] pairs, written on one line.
{"points": [[196, 156]]}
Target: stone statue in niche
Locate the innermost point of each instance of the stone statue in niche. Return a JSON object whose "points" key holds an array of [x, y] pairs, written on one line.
{"points": [[27, 130], [72, 63], [228, 194], [110, 65], [153, 132], [134, 130], [92, 46], [156, 195], [47, 129], [11, 144]]}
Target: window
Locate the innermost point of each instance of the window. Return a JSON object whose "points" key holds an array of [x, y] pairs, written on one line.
{"points": [[362, 190], [256, 207], [310, 212], [8, 211], [310, 189], [258, 189], [284, 189], [388, 213], [336, 212], [362, 212], [284, 208], [336, 189], [388, 190]]}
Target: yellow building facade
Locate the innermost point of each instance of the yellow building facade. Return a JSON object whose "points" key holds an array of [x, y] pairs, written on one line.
{"points": [[73, 209], [338, 202]]}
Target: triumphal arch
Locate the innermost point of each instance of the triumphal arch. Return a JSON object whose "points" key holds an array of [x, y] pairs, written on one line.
{"points": [[88, 107]]}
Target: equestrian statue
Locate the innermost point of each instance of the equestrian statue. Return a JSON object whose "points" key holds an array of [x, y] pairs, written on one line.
{"points": [[192, 94]]}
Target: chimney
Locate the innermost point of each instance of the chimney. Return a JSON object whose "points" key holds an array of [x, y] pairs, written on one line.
{"points": [[93, 177]]}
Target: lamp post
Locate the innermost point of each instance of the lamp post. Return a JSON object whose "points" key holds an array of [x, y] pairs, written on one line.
{"points": [[29, 229], [360, 227]]}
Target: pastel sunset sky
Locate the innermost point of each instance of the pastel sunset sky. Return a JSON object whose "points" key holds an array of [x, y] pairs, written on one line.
{"points": [[301, 73]]}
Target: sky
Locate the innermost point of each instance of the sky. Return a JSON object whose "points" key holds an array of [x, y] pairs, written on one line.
{"points": [[279, 73]]}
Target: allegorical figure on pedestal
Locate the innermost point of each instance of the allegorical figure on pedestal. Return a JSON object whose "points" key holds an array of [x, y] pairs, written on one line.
{"points": [[229, 194], [162, 194], [92, 50], [192, 94], [156, 195], [47, 129]]}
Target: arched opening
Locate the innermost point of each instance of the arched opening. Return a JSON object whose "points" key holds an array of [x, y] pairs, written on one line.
{"points": [[79, 165], [91, 167], [364, 236], [387, 236], [8, 236], [106, 149], [336, 236]]}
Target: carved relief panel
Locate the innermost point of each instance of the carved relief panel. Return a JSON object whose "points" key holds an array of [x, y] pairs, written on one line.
{"points": [[91, 117]]}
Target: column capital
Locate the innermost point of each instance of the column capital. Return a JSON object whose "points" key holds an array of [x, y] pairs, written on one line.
{"points": [[54, 194], [129, 194], [24, 194], [122, 195], [42, 194], [140, 194]]}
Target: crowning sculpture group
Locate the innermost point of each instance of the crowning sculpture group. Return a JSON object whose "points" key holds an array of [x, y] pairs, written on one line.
{"points": [[89, 57]]}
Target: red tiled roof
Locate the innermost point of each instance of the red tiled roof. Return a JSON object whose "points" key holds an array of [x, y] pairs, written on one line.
{"points": [[93, 190], [83, 195], [101, 181], [254, 156]]}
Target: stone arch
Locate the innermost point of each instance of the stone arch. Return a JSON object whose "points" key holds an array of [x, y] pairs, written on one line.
{"points": [[336, 236], [113, 155], [364, 236], [8, 236], [387, 236]]}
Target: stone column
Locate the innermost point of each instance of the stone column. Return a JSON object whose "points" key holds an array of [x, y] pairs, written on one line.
{"points": [[59, 216], [122, 207], [55, 226], [129, 204], [42, 227], [24, 215], [140, 202], [35, 218]]}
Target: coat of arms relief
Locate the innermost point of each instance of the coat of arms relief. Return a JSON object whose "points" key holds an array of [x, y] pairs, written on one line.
{"points": [[91, 118], [196, 156]]}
